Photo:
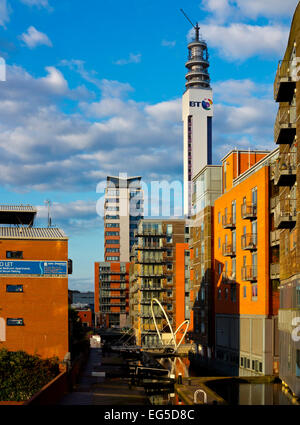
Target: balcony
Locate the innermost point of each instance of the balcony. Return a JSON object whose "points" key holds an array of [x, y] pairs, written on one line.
{"points": [[228, 250], [285, 125], [249, 211], [285, 214], [285, 81], [228, 222], [274, 237], [286, 168], [274, 271], [249, 273], [249, 241], [273, 202], [228, 278]]}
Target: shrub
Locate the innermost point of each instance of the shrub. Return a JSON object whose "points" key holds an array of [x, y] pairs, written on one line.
{"points": [[22, 375]]}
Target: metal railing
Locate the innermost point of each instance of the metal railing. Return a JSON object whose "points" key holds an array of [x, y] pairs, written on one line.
{"points": [[249, 210], [286, 71], [249, 241], [228, 221], [274, 270], [228, 250], [286, 168], [249, 273], [285, 213], [285, 119]]}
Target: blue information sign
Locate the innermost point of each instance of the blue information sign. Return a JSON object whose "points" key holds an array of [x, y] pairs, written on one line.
{"points": [[40, 268]]}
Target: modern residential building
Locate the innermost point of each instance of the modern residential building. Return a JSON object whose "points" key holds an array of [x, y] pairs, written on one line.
{"points": [[34, 284], [197, 113], [207, 186], [246, 266], [111, 294], [159, 270], [123, 208], [287, 212]]}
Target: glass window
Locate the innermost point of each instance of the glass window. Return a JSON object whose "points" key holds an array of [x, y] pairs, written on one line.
{"points": [[14, 322], [245, 291], [14, 288], [14, 254]]}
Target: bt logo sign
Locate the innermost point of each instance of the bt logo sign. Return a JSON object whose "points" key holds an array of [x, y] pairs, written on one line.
{"points": [[206, 104]]}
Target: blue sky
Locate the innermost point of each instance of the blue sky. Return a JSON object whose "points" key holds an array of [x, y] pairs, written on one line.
{"points": [[94, 88]]}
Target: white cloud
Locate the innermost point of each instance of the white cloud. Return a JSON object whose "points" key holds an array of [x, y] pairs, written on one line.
{"points": [[71, 152], [167, 43], [224, 10], [242, 41], [267, 8], [4, 12], [132, 59], [33, 38]]}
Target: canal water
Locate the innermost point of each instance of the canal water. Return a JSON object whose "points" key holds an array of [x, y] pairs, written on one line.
{"points": [[233, 391]]}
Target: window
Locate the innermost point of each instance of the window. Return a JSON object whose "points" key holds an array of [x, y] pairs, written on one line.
{"points": [[260, 367], [112, 225], [242, 361], [219, 243], [112, 217], [14, 254], [170, 266], [197, 252], [254, 292], [219, 294], [226, 293], [219, 217], [233, 211], [245, 291], [169, 279], [112, 233], [169, 253], [298, 295], [220, 268], [14, 322], [112, 250], [14, 288], [112, 258], [112, 241], [233, 269]]}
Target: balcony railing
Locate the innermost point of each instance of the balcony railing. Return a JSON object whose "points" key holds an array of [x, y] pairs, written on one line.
{"points": [[274, 270], [286, 168], [249, 211], [249, 273], [228, 222], [285, 81], [274, 237], [285, 125], [249, 241], [285, 214], [228, 250]]}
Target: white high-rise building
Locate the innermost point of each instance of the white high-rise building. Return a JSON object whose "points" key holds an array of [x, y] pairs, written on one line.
{"points": [[197, 113]]}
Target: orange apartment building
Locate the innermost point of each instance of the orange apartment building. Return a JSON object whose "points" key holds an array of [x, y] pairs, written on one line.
{"points": [[34, 285], [246, 285], [111, 294]]}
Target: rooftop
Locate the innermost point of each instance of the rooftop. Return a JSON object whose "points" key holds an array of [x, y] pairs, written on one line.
{"points": [[17, 214], [45, 233]]}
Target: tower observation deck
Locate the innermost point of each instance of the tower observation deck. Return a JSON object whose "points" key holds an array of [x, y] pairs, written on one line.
{"points": [[197, 63]]}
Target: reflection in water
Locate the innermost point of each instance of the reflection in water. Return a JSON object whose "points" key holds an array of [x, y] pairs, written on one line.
{"points": [[232, 391], [237, 393]]}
